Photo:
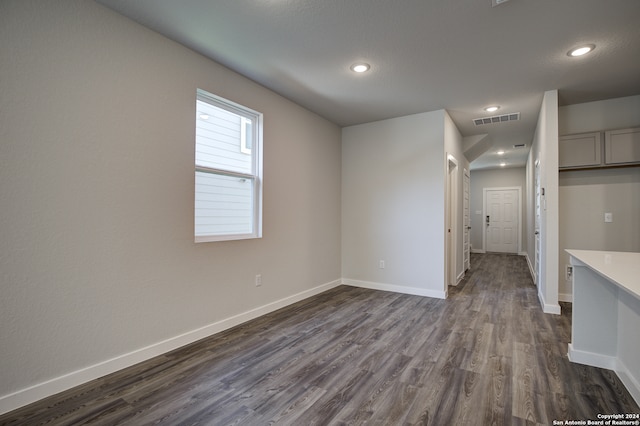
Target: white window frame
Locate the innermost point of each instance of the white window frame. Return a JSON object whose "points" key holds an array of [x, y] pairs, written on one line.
{"points": [[256, 175]]}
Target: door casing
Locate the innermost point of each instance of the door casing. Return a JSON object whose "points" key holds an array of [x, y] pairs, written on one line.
{"points": [[466, 222], [451, 220]]}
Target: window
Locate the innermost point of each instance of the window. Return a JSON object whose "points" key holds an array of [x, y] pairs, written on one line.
{"points": [[228, 170]]}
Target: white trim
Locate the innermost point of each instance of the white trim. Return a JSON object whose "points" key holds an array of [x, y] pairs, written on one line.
{"points": [[627, 379], [451, 221], [257, 160], [548, 308], [42, 390], [531, 270], [480, 251], [466, 227], [460, 277], [609, 362], [395, 288], [592, 359], [565, 297]]}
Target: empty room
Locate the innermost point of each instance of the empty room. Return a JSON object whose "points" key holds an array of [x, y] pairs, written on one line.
{"points": [[319, 212]]}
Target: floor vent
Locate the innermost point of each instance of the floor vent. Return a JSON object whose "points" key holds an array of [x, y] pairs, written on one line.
{"points": [[497, 119]]}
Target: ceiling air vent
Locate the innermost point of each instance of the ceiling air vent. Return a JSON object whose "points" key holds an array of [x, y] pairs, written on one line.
{"points": [[497, 119], [520, 145]]}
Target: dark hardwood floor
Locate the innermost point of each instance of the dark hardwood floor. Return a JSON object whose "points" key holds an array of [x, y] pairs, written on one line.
{"points": [[486, 355]]}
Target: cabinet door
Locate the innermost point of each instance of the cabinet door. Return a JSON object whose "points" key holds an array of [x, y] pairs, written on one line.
{"points": [[580, 150], [622, 146]]}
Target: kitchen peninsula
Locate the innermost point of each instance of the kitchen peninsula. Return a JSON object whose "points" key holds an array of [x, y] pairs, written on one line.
{"points": [[605, 327]]}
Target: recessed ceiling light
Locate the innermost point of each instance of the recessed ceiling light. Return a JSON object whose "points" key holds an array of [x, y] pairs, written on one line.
{"points": [[500, 152], [582, 50], [503, 164], [204, 116], [493, 108], [360, 67]]}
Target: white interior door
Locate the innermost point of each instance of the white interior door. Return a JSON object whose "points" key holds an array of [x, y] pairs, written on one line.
{"points": [[536, 266], [451, 222], [467, 222], [502, 220]]}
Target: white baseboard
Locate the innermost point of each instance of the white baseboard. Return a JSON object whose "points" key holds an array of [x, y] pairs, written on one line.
{"points": [[548, 308], [562, 297], [631, 383], [610, 363], [480, 251], [565, 297], [531, 270], [42, 390], [592, 359], [396, 288]]}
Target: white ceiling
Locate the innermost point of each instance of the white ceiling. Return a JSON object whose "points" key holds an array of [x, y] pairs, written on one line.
{"points": [[425, 55]]}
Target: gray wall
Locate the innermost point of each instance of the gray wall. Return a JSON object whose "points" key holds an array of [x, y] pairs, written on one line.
{"points": [[97, 261], [544, 149], [495, 178], [585, 195], [393, 202]]}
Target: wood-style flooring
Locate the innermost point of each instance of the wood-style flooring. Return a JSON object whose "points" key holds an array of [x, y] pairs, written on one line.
{"points": [[485, 356]]}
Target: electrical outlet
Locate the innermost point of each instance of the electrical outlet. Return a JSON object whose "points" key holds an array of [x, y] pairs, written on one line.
{"points": [[568, 272], [608, 217], [381, 264], [258, 280]]}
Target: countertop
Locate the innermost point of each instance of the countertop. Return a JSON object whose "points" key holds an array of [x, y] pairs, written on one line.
{"points": [[621, 268]]}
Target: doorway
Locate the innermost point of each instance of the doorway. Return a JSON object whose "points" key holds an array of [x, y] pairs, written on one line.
{"points": [[538, 201], [466, 222], [502, 220], [451, 220]]}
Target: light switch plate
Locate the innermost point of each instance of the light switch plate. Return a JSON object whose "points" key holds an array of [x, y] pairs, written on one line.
{"points": [[608, 217]]}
